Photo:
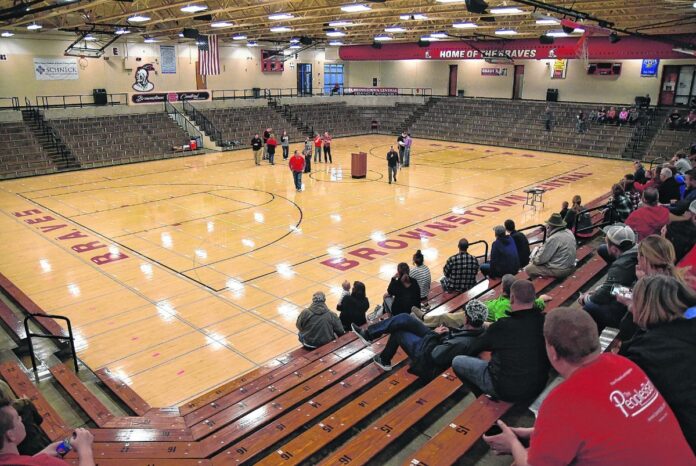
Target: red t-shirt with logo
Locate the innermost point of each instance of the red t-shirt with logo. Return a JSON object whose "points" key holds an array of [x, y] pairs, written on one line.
{"points": [[648, 220], [38, 460], [608, 413]]}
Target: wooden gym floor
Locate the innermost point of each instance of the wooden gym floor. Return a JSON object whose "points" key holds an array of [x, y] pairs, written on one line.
{"points": [[181, 274]]}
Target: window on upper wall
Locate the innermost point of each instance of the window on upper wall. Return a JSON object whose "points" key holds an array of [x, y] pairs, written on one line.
{"points": [[333, 74]]}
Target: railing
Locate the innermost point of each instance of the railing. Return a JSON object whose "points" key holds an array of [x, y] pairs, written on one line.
{"points": [[483, 256], [78, 100], [182, 121], [656, 161], [54, 141], [203, 122], [607, 219], [9, 102], [267, 93], [640, 131], [532, 227], [70, 338]]}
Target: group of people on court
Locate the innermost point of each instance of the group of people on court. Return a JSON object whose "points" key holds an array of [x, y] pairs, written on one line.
{"points": [[402, 158]]}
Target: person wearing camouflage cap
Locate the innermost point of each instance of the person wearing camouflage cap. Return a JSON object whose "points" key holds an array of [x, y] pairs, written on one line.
{"points": [[431, 350]]}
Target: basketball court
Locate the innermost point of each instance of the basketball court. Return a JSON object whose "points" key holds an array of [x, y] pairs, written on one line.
{"points": [[179, 275]]}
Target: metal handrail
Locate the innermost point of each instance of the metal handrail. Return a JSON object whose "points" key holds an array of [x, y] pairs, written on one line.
{"points": [[485, 254], [12, 101], [266, 93], [54, 140], [182, 121], [544, 232], [203, 121], [70, 338], [76, 100], [599, 224]]}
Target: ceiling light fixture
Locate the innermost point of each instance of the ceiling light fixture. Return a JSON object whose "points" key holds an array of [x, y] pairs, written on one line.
{"points": [[506, 10], [341, 24], [356, 8], [280, 29], [193, 8], [429, 39], [149, 40], [121, 31], [335, 33], [34, 27], [295, 46], [220, 24], [7, 34], [413, 17], [252, 43], [465, 25], [239, 37], [450, 1], [138, 18], [382, 38], [89, 38], [547, 21], [335, 43], [439, 35], [506, 32], [394, 29], [280, 16]]}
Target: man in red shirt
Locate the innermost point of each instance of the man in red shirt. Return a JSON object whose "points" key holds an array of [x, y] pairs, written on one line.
{"points": [[12, 433], [297, 164], [317, 148], [651, 217], [606, 412]]}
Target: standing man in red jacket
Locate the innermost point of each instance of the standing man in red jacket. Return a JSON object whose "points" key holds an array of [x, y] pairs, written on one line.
{"points": [[297, 164], [317, 147]]}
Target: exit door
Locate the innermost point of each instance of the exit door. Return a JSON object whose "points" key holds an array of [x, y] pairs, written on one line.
{"points": [[518, 83], [304, 79], [452, 80], [670, 75]]}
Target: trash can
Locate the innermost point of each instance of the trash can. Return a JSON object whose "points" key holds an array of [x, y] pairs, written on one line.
{"points": [[460, 93], [256, 92], [100, 97]]}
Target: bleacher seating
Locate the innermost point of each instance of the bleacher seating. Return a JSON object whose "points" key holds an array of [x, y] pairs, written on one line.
{"points": [[241, 123], [22, 152], [388, 120], [338, 118], [120, 139], [668, 141]]}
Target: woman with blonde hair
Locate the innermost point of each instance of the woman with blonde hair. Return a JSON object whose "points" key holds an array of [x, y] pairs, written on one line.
{"points": [[656, 256], [665, 347]]}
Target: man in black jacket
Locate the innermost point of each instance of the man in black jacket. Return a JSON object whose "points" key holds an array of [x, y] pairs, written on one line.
{"points": [[620, 244], [256, 147], [430, 351], [519, 368], [392, 164], [521, 242]]}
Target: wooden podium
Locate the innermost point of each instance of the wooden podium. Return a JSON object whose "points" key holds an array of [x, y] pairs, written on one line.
{"points": [[358, 165]]}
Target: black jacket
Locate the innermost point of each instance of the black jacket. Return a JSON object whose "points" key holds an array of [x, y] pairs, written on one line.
{"points": [[353, 311], [519, 367], [436, 351], [392, 158], [522, 244], [404, 298], [621, 272], [669, 189], [667, 354], [256, 143]]}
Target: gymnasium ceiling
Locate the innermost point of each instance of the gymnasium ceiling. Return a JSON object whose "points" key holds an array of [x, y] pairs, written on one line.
{"points": [[311, 17]]}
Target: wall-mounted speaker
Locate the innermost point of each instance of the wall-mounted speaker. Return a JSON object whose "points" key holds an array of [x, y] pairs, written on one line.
{"points": [[190, 33], [476, 6], [544, 39], [376, 45]]}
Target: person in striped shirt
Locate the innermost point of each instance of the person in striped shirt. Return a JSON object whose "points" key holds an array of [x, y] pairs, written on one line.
{"points": [[421, 274]]}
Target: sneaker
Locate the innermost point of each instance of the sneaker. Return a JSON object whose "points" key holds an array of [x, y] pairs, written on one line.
{"points": [[382, 365], [362, 334], [416, 311]]}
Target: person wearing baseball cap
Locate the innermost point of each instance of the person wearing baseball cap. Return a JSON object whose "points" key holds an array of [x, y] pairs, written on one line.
{"points": [[620, 243], [556, 258], [431, 350]]}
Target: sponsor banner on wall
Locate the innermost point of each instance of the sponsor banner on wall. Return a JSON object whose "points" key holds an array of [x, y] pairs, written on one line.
{"points": [[168, 59], [494, 71], [559, 67], [649, 67], [371, 90], [50, 69], [172, 97], [523, 49]]}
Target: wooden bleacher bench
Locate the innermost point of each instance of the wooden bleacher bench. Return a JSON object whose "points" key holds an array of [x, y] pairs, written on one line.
{"points": [[30, 306], [12, 323], [123, 392]]}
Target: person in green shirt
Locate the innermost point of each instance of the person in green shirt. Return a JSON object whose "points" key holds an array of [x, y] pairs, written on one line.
{"points": [[500, 306]]}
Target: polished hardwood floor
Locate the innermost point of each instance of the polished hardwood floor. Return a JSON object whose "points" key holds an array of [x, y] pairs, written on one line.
{"points": [[182, 274]]}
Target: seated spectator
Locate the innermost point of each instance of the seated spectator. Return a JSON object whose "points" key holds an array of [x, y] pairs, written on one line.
{"points": [[12, 433], [564, 209], [581, 123], [683, 234], [353, 305], [690, 122], [576, 219], [674, 119], [620, 206], [639, 173], [460, 270], [317, 325], [36, 440], [602, 115], [556, 257], [431, 351], [689, 194], [630, 190], [652, 180], [633, 116], [612, 115], [665, 348], [621, 252], [421, 274], [681, 162], [521, 242], [623, 116], [518, 369], [591, 417], [669, 187], [504, 258], [499, 307], [651, 218], [403, 292]]}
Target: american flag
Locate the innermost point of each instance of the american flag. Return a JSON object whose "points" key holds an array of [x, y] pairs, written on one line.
{"points": [[208, 55]]}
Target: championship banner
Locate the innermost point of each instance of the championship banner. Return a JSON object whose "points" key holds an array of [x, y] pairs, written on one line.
{"points": [[168, 59], [559, 68], [649, 67], [370, 91], [51, 69], [171, 97]]}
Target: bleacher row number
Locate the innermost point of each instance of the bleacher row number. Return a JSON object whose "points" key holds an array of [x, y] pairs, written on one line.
{"points": [[286, 455], [415, 462], [460, 429], [345, 459]]}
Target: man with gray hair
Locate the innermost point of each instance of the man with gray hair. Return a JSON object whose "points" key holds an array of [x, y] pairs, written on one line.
{"points": [[431, 350], [669, 187], [606, 411], [317, 325], [504, 257]]}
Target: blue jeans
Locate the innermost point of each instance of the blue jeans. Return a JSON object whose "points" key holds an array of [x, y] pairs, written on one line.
{"points": [[407, 156], [486, 268], [317, 153], [404, 330], [605, 315], [392, 173], [286, 151], [271, 155], [474, 372], [297, 178]]}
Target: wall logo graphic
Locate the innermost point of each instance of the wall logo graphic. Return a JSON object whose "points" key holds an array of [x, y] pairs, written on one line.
{"points": [[142, 78]]}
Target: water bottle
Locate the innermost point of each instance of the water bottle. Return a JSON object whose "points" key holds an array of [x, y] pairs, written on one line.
{"points": [[65, 446]]}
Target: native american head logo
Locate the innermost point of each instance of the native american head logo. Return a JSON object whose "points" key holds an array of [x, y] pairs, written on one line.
{"points": [[142, 78]]}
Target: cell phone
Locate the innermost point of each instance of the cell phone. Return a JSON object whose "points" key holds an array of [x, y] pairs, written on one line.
{"points": [[624, 291], [494, 430]]}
